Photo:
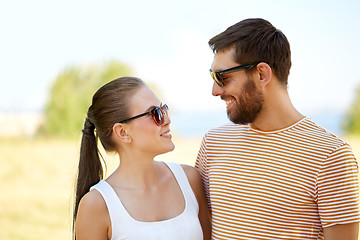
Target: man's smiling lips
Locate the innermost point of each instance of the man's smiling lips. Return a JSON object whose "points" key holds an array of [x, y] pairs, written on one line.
{"points": [[228, 101]]}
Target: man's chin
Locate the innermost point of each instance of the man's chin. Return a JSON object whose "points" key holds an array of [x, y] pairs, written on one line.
{"points": [[239, 119]]}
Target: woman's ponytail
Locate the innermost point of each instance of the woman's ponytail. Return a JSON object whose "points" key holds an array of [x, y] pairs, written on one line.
{"points": [[90, 170], [109, 105]]}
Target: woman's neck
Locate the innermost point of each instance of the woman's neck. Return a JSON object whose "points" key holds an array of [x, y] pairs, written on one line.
{"points": [[137, 171]]}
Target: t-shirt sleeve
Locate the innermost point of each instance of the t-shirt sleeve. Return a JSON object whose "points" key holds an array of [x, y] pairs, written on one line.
{"points": [[202, 165], [337, 190]]}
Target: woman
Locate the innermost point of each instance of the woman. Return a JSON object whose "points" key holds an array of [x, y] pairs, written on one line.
{"points": [[143, 198]]}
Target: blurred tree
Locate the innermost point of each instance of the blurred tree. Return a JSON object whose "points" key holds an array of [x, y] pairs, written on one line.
{"points": [[70, 96], [351, 122]]}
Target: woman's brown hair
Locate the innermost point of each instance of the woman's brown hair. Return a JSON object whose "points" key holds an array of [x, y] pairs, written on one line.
{"points": [[110, 104]]}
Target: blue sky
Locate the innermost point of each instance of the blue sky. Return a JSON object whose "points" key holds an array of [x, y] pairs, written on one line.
{"points": [[165, 42]]}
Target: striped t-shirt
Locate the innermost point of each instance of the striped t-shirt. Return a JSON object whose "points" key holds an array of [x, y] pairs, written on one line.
{"points": [[284, 184]]}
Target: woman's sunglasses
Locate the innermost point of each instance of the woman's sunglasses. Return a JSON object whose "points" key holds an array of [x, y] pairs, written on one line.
{"points": [[158, 114]]}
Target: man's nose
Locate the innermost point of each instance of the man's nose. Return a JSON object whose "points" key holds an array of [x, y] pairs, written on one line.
{"points": [[217, 90]]}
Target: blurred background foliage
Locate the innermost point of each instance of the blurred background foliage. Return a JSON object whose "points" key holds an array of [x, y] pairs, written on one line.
{"points": [[351, 120], [71, 94]]}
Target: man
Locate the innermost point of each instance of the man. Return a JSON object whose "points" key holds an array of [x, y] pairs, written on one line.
{"points": [[272, 173]]}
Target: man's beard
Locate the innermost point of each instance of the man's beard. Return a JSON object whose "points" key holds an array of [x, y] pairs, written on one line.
{"points": [[248, 106]]}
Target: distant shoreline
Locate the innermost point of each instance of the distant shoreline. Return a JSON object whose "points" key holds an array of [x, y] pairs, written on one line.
{"points": [[194, 124], [185, 124]]}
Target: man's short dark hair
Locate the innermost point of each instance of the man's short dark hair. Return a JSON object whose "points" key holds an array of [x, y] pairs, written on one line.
{"points": [[256, 39]]}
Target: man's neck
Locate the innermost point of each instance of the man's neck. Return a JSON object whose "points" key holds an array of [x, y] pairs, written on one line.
{"points": [[277, 113]]}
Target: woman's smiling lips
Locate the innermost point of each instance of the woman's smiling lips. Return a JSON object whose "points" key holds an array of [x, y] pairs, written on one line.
{"points": [[166, 134]]}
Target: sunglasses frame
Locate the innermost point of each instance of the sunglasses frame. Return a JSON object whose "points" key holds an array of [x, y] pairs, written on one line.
{"points": [[216, 75], [163, 109]]}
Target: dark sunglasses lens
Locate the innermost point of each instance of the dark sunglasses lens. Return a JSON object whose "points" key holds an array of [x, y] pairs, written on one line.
{"points": [[158, 116], [217, 78]]}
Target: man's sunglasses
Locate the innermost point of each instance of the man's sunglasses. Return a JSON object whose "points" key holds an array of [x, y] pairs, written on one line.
{"points": [[217, 75], [158, 114]]}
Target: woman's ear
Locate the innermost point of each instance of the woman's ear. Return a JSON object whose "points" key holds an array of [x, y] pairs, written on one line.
{"points": [[265, 74], [121, 133]]}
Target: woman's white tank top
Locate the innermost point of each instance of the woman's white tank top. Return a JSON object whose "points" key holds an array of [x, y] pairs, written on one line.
{"points": [[185, 226]]}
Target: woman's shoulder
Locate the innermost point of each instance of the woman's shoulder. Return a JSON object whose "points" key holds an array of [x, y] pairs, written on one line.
{"points": [[93, 212], [190, 171], [93, 202], [194, 178]]}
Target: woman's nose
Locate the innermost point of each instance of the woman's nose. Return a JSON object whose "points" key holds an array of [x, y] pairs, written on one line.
{"points": [[167, 120]]}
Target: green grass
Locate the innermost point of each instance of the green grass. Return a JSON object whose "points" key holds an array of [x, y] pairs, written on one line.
{"points": [[36, 184], [36, 178]]}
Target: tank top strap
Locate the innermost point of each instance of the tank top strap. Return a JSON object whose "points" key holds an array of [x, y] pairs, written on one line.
{"points": [[113, 204], [184, 184]]}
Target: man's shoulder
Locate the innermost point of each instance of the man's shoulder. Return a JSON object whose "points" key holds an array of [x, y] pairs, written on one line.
{"points": [[314, 129], [320, 137]]}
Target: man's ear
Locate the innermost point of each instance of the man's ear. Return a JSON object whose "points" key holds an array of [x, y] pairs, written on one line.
{"points": [[265, 74], [121, 133]]}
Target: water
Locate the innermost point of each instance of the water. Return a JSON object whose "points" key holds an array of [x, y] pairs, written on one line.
{"points": [[196, 124], [329, 120]]}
